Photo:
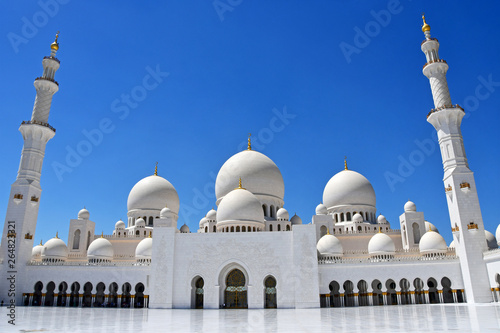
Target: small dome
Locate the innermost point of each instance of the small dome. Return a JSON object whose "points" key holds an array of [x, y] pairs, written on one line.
{"points": [[296, 220], [152, 193], [491, 241], [330, 245], [144, 249], [101, 248], [410, 206], [282, 214], [430, 226], [203, 221], [240, 205], [321, 209], [55, 248], [185, 229], [37, 250], [348, 188], [357, 218], [432, 242], [381, 244], [120, 225], [381, 219], [140, 222], [165, 213], [452, 244], [497, 234], [212, 215], [83, 214]]}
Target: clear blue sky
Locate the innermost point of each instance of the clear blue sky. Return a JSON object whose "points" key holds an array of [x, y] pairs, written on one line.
{"points": [[229, 68]]}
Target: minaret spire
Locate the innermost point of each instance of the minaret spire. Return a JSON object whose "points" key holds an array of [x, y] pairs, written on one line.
{"points": [[459, 184], [249, 146], [23, 211]]}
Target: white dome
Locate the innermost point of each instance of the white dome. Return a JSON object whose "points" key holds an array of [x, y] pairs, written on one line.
{"points": [[101, 248], [37, 250], [348, 188], [452, 244], [296, 220], [381, 219], [381, 244], [152, 193], [491, 241], [184, 229], [497, 234], [259, 173], [330, 245], [55, 248], [357, 218], [240, 205], [144, 249], [202, 221], [410, 206], [140, 222], [431, 226], [282, 214], [321, 209], [83, 214], [432, 242], [120, 225], [212, 215], [165, 213]]}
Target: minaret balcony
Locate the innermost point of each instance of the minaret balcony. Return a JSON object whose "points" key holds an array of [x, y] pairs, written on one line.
{"points": [[35, 122], [472, 226], [435, 61], [52, 58], [456, 106], [48, 79], [428, 39], [465, 187]]}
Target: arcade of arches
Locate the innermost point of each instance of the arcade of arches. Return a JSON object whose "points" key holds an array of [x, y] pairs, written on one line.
{"points": [[391, 293]]}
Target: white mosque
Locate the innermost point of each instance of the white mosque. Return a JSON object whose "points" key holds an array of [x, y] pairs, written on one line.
{"points": [[249, 253]]}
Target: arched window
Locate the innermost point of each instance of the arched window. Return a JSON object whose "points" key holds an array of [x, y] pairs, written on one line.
{"points": [[270, 293], [243, 229], [214, 229], [264, 208], [232, 229], [336, 218], [137, 232], [287, 227], [270, 227], [341, 217], [348, 216], [271, 211], [323, 230], [76, 239], [150, 220], [206, 229], [279, 227], [416, 233], [88, 240]]}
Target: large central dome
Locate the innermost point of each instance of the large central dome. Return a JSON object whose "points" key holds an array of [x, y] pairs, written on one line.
{"points": [[348, 188], [258, 172], [153, 193]]}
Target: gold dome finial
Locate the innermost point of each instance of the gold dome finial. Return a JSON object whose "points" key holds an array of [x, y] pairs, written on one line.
{"points": [[55, 45], [102, 234], [379, 230], [327, 231], [249, 142], [425, 27], [57, 234], [345, 163], [41, 242], [156, 169], [240, 186]]}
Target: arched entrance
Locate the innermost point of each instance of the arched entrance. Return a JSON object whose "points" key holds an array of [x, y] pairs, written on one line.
{"points": [[139, 296], [270, 293], [235, 294], [197, 293], [37, 294]]}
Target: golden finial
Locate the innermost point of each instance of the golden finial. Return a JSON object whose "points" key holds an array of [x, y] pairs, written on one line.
{"points": [[345, 163], [240, 187], [149, 235], [249, 142], [156, 169], [41, 242], [430, 228], [55, 45], [425, 27], [102, 234], [57, 234], [379, 230], [327, 231]]}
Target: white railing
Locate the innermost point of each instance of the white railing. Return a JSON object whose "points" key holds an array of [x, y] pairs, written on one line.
{"points": [[77, 263], [330, 260]]}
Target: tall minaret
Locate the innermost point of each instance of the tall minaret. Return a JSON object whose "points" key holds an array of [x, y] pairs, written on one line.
{"points": [[24, 199], [459, 185]]}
